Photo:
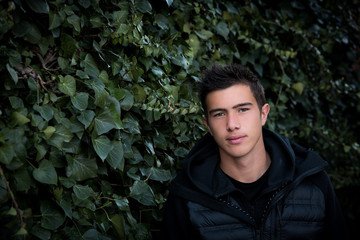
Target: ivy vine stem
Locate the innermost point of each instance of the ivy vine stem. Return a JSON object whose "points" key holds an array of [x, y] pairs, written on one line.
{"points": [[18, 212]]}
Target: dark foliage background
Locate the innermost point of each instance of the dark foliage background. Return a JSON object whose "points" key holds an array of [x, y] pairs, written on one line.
{"points": [[98, 103]]}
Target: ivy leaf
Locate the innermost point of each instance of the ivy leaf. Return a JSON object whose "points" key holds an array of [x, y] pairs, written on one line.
{"points": [[169, 2], [85, 3], [83, 168], [54, 21], [19, 119], [68, 45], [6, 153], [102, 146], [86, 117], [38, 6], [23, 180], [119, 225], [90, 66], [204, 34], [104, 122], [40, 232], [16, 102], [299, 87], [51, 217], [127, 102], [92, 234], [115, 111], [143, 193], [156, 174], [143, 5], [116, 156], [222, 29], [12, 73], [83, 192], [80, 101], [66, 206], [49, 131], [194, 43], [61, 135], [45, 173], [45, 111], [74, 20], [67, 85]]}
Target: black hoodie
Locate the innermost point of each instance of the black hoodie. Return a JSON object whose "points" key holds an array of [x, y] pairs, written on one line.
{"points": [[298, 201]]}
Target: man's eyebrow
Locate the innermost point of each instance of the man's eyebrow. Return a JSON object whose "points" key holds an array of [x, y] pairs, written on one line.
{"points": [[242, 105], [234, 107]]}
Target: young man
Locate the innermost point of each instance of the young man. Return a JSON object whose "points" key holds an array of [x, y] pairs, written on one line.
{"points": [[242, 181]]}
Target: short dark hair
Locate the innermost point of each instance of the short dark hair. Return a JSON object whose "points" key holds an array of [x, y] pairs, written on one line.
{"points": [[221, 77]]}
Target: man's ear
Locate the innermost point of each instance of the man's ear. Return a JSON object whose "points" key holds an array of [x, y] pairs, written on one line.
{"points": [[265, 109], [206, 123]]}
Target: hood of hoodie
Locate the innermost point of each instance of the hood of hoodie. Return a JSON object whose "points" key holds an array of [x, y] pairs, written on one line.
{"points": [[289, 162]]}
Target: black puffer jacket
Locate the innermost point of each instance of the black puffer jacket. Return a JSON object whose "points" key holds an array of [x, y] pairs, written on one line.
{"points": [[299, 201]]}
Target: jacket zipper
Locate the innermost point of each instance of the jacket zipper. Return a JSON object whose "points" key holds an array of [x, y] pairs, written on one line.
{"points": [[283, 189]]}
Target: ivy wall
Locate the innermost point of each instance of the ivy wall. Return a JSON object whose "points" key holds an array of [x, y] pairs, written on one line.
{"points": [[98, 102]]}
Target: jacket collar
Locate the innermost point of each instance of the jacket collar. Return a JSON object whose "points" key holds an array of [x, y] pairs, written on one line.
{"points": [[289, 161]]}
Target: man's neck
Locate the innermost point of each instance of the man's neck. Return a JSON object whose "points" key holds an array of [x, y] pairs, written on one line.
{"points": [[246, 169]]}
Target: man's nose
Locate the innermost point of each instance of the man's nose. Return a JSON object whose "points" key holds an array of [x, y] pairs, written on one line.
{"points": [[232, 122]]}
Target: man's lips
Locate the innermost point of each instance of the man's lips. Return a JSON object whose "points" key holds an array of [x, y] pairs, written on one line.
{"points": [[235, 139]]}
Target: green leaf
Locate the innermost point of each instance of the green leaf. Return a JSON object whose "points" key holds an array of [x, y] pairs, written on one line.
{"points": [[80, 101], [128, 101], [86, 117], [156, 174], [74, 20], [19, 119], [45, 173], [90, 66], [40, 232], [118, 224], [169, 2], [194, 43], [6, 153], [299, 87], [118, 93], [204, 34], [12, 73], [92, 234], [33, 35], [51, 217], [22, 231], [67, 85], [67, 207], [115, 111], [83, 192], [68, 45], [38, 6], [62, 134], [83, 168], [23, 180], [45, 111], [116, 156], [16, 102], [143, 193], [85, 3], [104, 122], [143, 5], [102, 146], [222, 29], [49, 131], [54, 20]]}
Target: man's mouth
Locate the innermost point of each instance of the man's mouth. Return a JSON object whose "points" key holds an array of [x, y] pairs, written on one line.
{"points": [[235, 139]]}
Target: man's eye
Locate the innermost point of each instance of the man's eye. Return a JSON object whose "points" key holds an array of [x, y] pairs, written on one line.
{"points": [[243, 109], [218, 114]]}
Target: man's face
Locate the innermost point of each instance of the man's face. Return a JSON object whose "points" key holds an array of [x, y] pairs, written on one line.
{"points": [[235, 121]]}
